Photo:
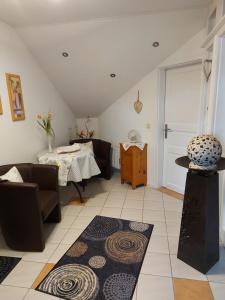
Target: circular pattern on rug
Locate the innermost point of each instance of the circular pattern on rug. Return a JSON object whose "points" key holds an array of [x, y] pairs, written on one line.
{"points": [[97, 262], [119, 287], [137, 226], [72, 282], [101, 227], [78, 249], [126, 246], [6, 265]]}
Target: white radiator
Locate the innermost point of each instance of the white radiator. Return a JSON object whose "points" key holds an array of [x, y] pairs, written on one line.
{"points": [[116, 157]]}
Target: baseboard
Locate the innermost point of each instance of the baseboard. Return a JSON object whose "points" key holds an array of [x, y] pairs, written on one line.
{"points": [[171, 193]]}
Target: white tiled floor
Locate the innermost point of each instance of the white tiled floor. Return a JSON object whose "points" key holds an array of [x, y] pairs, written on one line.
{"points": [[110, 198]]}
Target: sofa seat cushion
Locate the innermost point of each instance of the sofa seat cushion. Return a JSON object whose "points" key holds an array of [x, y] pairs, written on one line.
{"points": [[102, 163], [48, 199]]}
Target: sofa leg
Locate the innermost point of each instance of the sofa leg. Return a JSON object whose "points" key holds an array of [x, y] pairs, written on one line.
{"points": [[55, 215]]}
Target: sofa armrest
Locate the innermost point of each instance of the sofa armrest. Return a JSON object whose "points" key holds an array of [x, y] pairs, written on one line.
{"points": [[19, 200], [46, 176], [20, 216]]}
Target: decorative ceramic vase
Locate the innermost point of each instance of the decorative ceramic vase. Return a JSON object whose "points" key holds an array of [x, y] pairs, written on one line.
{"points": [[49, 138], [204, 151]]}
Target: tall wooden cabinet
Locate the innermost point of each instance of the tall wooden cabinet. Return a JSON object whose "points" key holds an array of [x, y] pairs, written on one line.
{"points": [[133, 163]]}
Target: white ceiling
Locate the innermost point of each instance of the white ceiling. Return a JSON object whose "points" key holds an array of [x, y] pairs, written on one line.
{"points": [[36, 12], [102, 43]]}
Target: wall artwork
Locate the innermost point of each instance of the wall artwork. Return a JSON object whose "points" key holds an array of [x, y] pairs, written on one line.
{"points": [[15, 97], [138, 105], [1, 110]]}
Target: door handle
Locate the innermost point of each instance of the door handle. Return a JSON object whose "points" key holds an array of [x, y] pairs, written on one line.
{"points": [[167, 130]]}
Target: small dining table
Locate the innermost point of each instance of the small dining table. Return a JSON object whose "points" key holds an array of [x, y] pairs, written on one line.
{"points": [[73, 167]]}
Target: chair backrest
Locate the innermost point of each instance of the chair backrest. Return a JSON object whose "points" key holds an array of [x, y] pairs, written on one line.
{"points": [[101, 148], [25, 170]]}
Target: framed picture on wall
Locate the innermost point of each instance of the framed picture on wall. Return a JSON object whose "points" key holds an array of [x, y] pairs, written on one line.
{"points": [[15, 97], [1, 110]]}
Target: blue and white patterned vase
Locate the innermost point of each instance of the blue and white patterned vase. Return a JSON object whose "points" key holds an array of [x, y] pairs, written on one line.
{"points": [[204, 151]]}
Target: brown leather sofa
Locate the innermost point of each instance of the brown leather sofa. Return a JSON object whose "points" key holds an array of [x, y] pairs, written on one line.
{"points": [[24, 207], [102, 152]]}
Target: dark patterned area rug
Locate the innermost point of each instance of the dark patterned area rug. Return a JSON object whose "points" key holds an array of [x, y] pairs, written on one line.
{"points": [[7, 264], [103, 263]]}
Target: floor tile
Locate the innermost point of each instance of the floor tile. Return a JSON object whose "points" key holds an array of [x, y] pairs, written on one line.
{"points": [[113, 212], [97, 202], [135, 294], [55, 234], [154, 288], [153, 215], [41, 256], [71, 236], [183, 270], [35, 295], [12, 293], [153, 205], [117, 194], [135, 195], [58, 253], [173, 229], [24, 274], [132, 214], [90, 211], [218, 290], [66, 222], [158, 244], [102, 195], [114, 202], [173, 216], [156, 264], [153, 195], [173, 204], [82, 222], [185, 289], [159, 228], [131, 203], [173, 244], [71, 210], [44, 272], [6, 251], [119, 187], [217, 272]]}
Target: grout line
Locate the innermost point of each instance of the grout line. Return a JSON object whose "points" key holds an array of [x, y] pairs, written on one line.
{"points": [[168, 246]]}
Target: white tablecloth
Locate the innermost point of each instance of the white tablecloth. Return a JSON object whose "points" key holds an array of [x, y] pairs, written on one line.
{"points": [[72, 166], [127, 145]]}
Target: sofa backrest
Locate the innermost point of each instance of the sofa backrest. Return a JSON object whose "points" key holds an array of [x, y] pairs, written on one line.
{"points": [[25, 170], [101, 148]]}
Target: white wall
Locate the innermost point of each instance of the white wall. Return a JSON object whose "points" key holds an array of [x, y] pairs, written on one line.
{"points": [[120, 117], [219, 131], [92, 125], [21, 141]]}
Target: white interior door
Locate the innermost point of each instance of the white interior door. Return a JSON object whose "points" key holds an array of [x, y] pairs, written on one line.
{"points": [[182, 116]]}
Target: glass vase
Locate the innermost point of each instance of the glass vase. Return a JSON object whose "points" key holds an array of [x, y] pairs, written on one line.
{"points": [[49, 139]]}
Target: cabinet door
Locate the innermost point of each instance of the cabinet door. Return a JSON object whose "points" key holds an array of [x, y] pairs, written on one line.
{"points": [[140, 166], [126, 164]]}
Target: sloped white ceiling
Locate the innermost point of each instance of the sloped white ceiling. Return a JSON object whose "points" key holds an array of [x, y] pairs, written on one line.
{"points": [[36, 12], [121, 45]]}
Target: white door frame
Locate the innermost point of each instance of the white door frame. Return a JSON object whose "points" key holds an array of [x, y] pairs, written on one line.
{"points": [[214, 92], [161, 111]]}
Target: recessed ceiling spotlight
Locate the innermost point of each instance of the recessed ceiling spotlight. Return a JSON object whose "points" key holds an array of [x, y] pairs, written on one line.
{"points": [[113, 75], [155, 44], [65, 54]]}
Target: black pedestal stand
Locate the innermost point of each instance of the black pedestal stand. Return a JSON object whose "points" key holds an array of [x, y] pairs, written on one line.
{"points": [[199, 233]]}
